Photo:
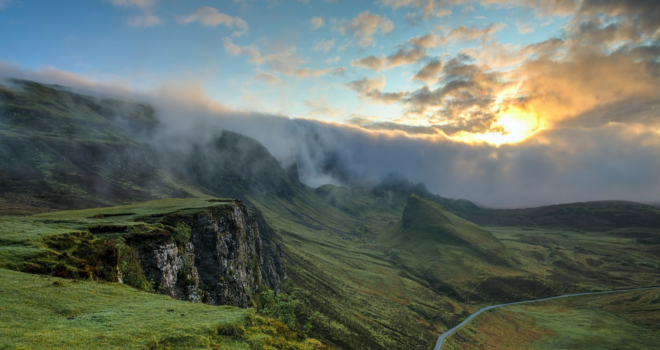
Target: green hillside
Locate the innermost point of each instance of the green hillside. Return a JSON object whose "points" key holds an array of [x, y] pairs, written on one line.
{"points": [[588, 216], [455, 255]]}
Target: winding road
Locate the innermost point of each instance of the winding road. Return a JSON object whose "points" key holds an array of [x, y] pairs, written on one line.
{"points": [[444, 335]]}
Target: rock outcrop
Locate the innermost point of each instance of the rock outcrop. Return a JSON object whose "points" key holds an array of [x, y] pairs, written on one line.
{"points": [[224, 263]]}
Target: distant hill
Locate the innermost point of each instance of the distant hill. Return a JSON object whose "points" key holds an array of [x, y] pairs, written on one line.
{"points": [[456, 256], [425, 223], [587, 216]]}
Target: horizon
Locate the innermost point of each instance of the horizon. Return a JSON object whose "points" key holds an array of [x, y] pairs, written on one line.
{"points": [[506, 104]]}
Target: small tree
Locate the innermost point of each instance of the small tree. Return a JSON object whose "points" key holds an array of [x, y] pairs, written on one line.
{"points": [[181, 234], [281, 306]]}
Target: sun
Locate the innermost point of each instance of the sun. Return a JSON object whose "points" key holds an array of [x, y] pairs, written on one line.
{"points": [[513, 125]]}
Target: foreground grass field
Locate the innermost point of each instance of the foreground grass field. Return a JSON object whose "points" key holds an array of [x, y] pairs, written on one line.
{"points": [[626, 321], [41, 312]]}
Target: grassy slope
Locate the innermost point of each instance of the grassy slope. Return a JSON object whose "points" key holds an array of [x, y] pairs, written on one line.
{"points": [[367, 301], [622, 258], [450, 252], [626, 321], [588, 216], [40, 312]]}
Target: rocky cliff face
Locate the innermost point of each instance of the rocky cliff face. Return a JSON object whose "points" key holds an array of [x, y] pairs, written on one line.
{"points": [[224, 263]]}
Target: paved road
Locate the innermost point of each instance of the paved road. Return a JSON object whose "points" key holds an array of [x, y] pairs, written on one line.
{"points": [[444, 335]]}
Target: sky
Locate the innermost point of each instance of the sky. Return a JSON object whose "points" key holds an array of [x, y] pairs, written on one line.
{"points": [[508, 103]]}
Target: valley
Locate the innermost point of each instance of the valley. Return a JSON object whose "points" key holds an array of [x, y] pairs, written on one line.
{"points": [[387, 265]]}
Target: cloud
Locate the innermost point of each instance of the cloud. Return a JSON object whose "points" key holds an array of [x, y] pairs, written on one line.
{"points": [[321, 108], [405, 56], [402, 57], [563, 165], [251, 51], [524, 28], [541, 7], [443, 13], [430, 73], [331, 60], [467, 34], [427, 7], [324, 45], [427, 41], [372, 90], [316, 23], [268, 78], [146, 20], [137, 3], [284, 61], [364, 27], [4, 3], [211, 17], [376, 63]]}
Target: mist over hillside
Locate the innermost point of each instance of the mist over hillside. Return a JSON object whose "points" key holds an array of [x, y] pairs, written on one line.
{"points": [[534, 172]]}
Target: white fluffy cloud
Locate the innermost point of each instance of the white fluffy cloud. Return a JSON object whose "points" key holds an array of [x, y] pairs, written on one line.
{"points": [[136, 3], [364, 27], [284, 61], [316, 23], [211, 17], [324, 45], [146, 20]]}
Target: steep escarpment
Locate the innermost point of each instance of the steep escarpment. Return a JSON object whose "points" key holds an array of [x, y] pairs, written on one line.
{"points": [[200, 249], [223, 261]]}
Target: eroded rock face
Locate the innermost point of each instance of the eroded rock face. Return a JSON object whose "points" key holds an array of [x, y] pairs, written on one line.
{"points": [[223, 264]]}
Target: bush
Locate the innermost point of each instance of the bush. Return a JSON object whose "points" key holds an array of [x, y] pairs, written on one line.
{"points": [[181, 234], [131, 270], [281, 306]]}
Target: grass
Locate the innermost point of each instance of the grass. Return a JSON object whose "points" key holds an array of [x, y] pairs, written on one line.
{"points": [[617, 321], [592, 260], [41, 312], [139, 211]]}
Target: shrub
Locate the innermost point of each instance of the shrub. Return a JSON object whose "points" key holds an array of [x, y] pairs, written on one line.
{"points": [[131, 270], [281, 306], [181, 234]]}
